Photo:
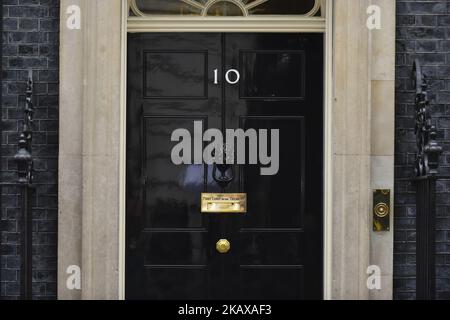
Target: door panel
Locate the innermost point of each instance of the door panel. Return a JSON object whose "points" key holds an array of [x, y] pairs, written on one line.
{"points": [[171, 191], [276, 247], [286, 184], [259, 282], [167, 75], [272, 74], [281, 233], [168, 249], [178, 283]]}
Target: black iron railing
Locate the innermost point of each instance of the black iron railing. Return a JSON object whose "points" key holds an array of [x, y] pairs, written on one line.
{"points": [[24, 161], [426, 176]]}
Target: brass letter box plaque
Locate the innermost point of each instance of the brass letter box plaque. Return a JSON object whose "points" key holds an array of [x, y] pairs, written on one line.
{"points": [[224, 202], [381, 209]]}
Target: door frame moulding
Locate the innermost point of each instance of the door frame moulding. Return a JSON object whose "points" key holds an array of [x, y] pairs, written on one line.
{"points": [[358, 147], [123, 149], [226, 24], [285, 24]]}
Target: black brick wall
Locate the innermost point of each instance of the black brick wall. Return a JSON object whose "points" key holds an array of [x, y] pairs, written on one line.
{"points": [[423, 31], [30, 41]]}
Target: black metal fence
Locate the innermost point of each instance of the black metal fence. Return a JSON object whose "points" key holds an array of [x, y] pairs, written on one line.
{"points": [[426, 176], [24, 161]]}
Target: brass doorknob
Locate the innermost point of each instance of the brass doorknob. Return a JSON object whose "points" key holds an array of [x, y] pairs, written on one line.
{"points": [[223, 246]]}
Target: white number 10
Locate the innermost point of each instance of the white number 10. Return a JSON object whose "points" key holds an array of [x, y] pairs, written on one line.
{"points": [[227, 76]]}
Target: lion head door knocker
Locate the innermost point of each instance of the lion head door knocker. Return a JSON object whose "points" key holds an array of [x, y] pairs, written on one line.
{"points": [[223, 171]]}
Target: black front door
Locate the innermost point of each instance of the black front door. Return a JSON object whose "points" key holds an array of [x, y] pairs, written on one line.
{"points": [[179, 81]]}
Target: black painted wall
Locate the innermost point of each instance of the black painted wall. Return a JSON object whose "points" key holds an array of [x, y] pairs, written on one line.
{"points": [[30, 41], [423, 31]]}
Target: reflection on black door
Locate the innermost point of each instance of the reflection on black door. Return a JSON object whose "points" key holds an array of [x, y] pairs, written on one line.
{"points": [[276, 247]]}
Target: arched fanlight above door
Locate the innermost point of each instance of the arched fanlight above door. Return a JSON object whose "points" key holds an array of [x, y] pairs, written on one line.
{"points": [[145, 8]]}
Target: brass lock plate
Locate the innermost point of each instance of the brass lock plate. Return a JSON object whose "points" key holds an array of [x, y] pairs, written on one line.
{"points": [[224, 203], [381, 209]]}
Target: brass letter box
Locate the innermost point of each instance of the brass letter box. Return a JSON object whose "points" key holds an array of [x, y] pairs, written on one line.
{"points": [[224, 203]]}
